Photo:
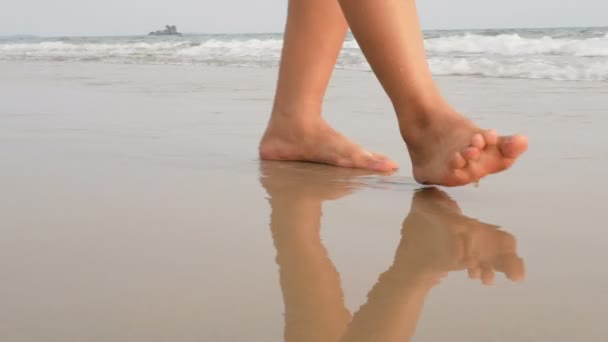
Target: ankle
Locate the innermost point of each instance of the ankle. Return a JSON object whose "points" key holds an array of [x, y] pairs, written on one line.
{"points": [[296, 109], [417, 119], [295, 119]]}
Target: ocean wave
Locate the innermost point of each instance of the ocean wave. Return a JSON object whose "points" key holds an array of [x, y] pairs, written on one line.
{"points": [[503, 55], [516, 45], [63, 48], [521, 68], [503, 44], [141, 52]]}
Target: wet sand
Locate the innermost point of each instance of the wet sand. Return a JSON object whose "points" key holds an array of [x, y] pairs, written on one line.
{"points": [[134, 209]]}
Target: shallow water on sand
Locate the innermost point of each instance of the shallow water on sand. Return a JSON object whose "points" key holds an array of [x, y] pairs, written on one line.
{"points": [[134, 208]]}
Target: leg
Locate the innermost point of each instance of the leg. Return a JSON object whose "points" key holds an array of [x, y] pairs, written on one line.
{"points": [[445, 147], [313, 38]]}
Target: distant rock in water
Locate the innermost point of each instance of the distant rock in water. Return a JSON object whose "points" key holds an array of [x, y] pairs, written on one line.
{"points": [[170, 30]]}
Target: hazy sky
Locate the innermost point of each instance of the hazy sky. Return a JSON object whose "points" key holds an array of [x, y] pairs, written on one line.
{"points": [[108, 17]]}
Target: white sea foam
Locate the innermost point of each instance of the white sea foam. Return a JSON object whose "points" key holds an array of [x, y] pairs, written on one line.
{"points": [[223, 52], [269, 49], [521, 68], [515, 45], [512, 55]]}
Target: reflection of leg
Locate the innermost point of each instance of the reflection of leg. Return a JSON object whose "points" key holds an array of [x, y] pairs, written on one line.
{"points": [[445, 147], [313, 38], [395, 303], [392, 310], [314, 304], [436, 239]]}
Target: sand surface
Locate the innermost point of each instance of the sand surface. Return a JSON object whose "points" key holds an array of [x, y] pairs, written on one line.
{"points": [[134, 208]]}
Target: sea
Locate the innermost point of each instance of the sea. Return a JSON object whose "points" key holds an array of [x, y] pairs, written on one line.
{"points": [[561, 54]]}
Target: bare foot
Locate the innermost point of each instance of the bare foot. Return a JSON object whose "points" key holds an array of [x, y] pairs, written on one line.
{"points": [[288, 139], [450, 150]]}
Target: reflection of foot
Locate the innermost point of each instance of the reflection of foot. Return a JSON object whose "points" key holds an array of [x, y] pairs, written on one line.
{"points": [[286, 139], [450, 150], [437, 239], [306, 181]]}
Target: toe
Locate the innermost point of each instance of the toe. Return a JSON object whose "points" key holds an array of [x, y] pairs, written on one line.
{"points": [[381, 166], [471, 153], [478, 141], [458, 161], [513, 267], [343, 162], [487, 275], [364, 160], [374, 161], [513, 146], [490, 137], [474, 273], [390, 164], [476, 171]]}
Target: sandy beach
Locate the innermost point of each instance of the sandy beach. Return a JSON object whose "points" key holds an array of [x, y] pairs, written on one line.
{"points": [[134, 208]]}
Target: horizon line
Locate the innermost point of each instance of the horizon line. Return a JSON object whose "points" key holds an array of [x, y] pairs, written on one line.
{"points": [[281, 32]]}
